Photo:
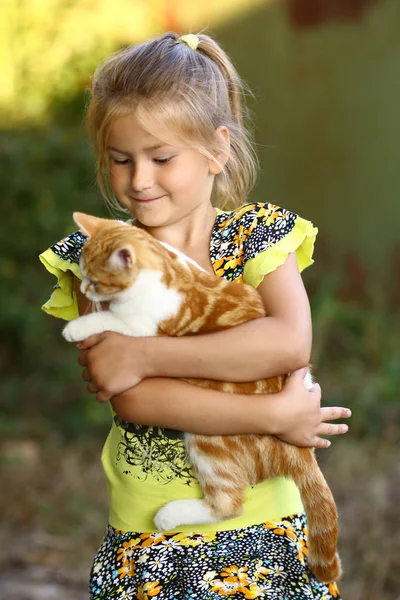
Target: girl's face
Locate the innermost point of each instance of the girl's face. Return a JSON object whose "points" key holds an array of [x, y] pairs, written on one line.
{"points": [[159, 182]]}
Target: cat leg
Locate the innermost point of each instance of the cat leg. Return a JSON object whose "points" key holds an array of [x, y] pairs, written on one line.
{"points": [[184, 512], [81, 328], [220, 503]]}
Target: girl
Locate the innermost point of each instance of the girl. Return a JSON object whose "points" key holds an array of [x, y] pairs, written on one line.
{"points": [[167, 124]]}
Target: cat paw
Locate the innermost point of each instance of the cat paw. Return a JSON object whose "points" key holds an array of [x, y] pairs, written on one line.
{"points": [[167, 518], [72, 332], [184, 512]]}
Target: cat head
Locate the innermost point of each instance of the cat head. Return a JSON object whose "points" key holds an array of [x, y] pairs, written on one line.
{"points": [[113, 256]]}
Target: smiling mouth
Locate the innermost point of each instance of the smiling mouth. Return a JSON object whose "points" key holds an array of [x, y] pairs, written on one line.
{"points": [[148, 199]]}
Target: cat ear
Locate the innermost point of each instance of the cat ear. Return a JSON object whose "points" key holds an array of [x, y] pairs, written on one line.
{"points": [[123, 258], [88, 224]]}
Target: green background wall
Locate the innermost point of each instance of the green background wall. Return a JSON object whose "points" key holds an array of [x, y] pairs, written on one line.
{"points": [[328, 121]]}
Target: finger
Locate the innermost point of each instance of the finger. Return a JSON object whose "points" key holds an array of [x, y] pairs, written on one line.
{"points": [[331, 413], [83, 359], [332, 429], [300, 373], [90, 341], [92, 388], [316, 388], [86, 375], [102, 397], [318, 442]]}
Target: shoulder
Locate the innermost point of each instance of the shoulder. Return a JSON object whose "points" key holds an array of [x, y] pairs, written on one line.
{"points": [[250, 215], [256, 225], [264, 233], [62, 260], [70, 247]]}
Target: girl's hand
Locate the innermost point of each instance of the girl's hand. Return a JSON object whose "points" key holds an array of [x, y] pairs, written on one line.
{"points": [[300, 419], [113, 363]]}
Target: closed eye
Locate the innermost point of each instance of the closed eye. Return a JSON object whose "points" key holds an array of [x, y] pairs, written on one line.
{"points": [[124, 161], [163, 161]]}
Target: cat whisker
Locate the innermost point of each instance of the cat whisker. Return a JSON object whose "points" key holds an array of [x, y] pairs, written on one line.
{"points": [[97, 306], [93, 306]]}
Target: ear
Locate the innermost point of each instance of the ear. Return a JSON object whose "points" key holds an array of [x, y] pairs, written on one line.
{"points": [[217, 164], [88, 224], [122, 258]]}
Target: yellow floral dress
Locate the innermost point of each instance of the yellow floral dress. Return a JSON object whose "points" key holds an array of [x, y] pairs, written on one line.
{"points": [[260, 555]]}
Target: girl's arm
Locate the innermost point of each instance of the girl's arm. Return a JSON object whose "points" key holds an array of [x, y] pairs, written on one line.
{"points": [[294, 414], [278, 343]]}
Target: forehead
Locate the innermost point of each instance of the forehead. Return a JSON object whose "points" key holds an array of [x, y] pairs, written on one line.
{"points": [[129, 132]]}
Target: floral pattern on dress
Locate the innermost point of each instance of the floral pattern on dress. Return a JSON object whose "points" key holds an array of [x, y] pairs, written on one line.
{"points": [[70, 247], [241, 234], [262, 561]]}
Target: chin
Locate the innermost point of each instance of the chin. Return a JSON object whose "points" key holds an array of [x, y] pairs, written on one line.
{"points": [[150, 218]]}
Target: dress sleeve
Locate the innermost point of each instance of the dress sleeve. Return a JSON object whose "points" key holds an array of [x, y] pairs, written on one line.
{"points": [[62, 260], [273, 233]]}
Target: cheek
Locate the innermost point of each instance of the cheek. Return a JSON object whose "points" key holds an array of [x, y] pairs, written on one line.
{"points": [[188, 178], [117, 178], [113, 179]]}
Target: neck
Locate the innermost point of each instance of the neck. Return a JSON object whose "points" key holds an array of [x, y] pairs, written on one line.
{"points": [[189, 232]]}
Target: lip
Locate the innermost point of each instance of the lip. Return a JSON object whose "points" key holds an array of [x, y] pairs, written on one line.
{"points": [[144, 201]]}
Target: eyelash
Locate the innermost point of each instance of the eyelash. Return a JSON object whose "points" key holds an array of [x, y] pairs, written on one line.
{"points": [[119, 162], [158, 161]]}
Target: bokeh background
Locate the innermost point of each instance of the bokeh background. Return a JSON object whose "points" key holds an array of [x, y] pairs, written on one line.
{"points": [[326, 81]]}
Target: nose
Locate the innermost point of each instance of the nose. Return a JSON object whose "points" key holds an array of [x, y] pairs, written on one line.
{"points": [[142, 177]]}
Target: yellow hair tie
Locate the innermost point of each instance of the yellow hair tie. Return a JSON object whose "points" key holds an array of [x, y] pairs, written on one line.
{"points": [[191, 40]]}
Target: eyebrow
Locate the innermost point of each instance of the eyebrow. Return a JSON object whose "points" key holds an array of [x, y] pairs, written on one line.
{"points": [[148, 149]]}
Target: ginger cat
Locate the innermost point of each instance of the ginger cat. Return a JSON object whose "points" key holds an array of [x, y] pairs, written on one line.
{"points": [[153, 289]]}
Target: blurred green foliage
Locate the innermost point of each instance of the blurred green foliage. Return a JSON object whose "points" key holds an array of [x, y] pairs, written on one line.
{"points": [[357, 355], [46, 173], [61, 41]]}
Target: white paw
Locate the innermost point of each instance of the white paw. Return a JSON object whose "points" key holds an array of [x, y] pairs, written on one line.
{"points": [[183, 512], [72, 332], [167, 518]]}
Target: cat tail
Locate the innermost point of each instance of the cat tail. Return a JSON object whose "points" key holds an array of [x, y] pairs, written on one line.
{"points": [[322, 517]]}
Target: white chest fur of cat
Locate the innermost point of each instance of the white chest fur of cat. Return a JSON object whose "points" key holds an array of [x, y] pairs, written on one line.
{"points": [[136, 312]]}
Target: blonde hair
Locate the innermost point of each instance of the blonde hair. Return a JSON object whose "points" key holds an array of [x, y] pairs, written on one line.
{"points": [[191, 92]]}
